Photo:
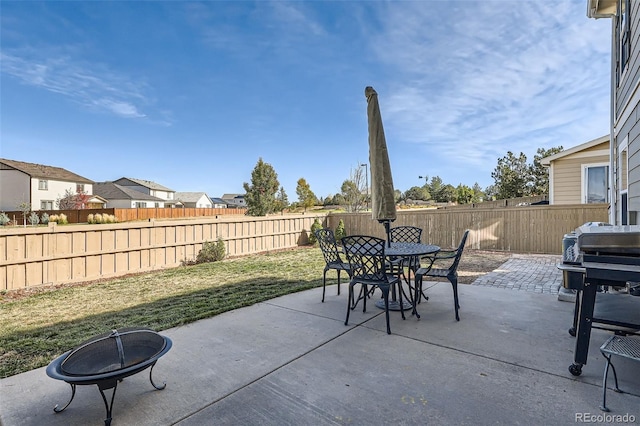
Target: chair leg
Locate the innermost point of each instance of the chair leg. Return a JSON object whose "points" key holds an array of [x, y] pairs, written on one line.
{"points": [[338, 282], [400, 292], [346, 321], [603, 407], [416, 298], [454, 283], [324, 283], [385, 295]]}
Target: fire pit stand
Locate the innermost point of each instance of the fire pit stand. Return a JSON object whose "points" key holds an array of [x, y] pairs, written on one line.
{"points": [[107, 359]]}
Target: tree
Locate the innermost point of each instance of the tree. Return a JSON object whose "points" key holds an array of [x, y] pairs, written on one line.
{"points": [[416, 193], [447, 194], [464, 194], [25, 208], [354, 191], [478, 193], [539, 173], [73, 200], [306, 197], [353, 199], [435, 189], [512, 176], [261, 194], [282, 201]]}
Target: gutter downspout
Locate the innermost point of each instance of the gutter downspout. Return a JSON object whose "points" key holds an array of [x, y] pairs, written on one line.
{"points": [[613, 199]]}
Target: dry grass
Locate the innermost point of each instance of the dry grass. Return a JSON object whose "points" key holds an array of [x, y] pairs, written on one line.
{"points": [[40, 324]]}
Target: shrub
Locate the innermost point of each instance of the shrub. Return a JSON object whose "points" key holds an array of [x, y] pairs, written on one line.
{"points": [[45, 218], [340, 231], [62, 219], [34, 219], [4, 219], [212, 251], [314, 227], [54, 218], [97, 218], [90, 218]]}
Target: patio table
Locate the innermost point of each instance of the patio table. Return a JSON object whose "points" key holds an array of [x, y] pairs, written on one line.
{"points": [[410, 252]]}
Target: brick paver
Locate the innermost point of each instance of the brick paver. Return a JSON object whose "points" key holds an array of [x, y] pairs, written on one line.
{"points": [[527, 272]]}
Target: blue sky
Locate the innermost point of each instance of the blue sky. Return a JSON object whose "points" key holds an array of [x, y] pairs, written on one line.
{"points": [[191, 94]]}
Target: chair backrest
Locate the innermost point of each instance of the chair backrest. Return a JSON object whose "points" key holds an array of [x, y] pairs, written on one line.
{"points": [[327, 242], [459, 250], [406, 234], [366, 257]]}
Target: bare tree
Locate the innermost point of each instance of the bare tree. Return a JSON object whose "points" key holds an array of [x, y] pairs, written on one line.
{"points": [[354, 191]]}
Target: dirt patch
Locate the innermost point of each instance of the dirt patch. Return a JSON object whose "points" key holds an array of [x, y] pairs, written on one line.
{"points": [[475, 263]]}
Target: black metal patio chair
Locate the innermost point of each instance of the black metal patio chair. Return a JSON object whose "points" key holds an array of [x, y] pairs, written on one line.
{"points": [[331, 252], [444, 264], [368, 268], [403, 234]]}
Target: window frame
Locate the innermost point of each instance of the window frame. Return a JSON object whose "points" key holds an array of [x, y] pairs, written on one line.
{"points": [[584, 196], [43, 185]]}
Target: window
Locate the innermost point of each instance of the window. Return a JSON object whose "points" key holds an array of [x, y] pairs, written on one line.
{"points": [[79, 187], [141, 204], [43, 185], [623, 38], [46, 205], [595, 183]]}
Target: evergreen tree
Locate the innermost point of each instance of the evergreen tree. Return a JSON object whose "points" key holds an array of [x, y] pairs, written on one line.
{"points": [[539, 173], [282, 201], [261, 194], [512, 176], [306, 197]]}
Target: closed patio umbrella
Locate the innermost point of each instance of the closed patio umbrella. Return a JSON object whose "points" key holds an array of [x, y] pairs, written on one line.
{"points": [[383, 206]]}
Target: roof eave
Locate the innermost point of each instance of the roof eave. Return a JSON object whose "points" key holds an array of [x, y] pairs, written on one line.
{"points": [[601, 8]]}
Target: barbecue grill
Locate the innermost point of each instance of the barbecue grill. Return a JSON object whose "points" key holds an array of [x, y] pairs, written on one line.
{"points": [[106, 359], [610, 256]]}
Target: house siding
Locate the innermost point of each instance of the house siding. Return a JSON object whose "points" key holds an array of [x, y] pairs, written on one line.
{"points": [[567, 173], [14, 189], [626, 115]]}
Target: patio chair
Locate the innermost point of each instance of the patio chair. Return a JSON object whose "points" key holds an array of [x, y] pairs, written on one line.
{"points": [[403, 234], [368, 268], [331, 252], [444, 264]]}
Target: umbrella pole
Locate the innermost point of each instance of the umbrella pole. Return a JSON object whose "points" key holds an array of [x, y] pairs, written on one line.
{"points": [[387, 228]]}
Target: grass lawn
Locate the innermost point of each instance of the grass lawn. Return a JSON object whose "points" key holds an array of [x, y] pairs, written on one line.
{"points": [[38, 327]]}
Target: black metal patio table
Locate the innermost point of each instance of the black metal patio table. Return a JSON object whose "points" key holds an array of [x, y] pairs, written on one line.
{"points": [[410, 252]]}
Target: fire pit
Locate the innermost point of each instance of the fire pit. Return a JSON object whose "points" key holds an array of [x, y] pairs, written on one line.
{"points": [[106, 359]]}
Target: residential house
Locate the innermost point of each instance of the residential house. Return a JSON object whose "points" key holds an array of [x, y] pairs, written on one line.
{"points": [[150, 188], [624, 170], [580, 175], [219, 203], [234, 200], [194, 199], [123, 197], [39, 185]]}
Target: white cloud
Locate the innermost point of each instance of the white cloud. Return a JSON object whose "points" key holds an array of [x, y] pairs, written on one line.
{"points": [[87, 84], [479, 78]]}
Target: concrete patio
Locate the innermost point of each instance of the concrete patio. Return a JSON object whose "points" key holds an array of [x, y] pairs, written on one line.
{"points": [[292, 361]]}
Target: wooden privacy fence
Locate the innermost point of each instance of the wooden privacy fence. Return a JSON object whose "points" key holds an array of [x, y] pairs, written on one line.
{"points": [[126, 215], [58, 254], [527, 229]]}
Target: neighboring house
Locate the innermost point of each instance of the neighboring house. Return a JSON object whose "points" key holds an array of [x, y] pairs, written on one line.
{"points": [[194, 199], [150, 188], [119, 196], [219, 203], [580, 175], [625, 104], [96, 202], [39, 185], [234, 200]]}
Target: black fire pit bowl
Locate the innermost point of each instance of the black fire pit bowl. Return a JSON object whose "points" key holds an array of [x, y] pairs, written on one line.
{"points": [[106, 359]]}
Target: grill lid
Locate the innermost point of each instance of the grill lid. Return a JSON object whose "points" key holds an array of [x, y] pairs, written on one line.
{"points": [[609, 239]]}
